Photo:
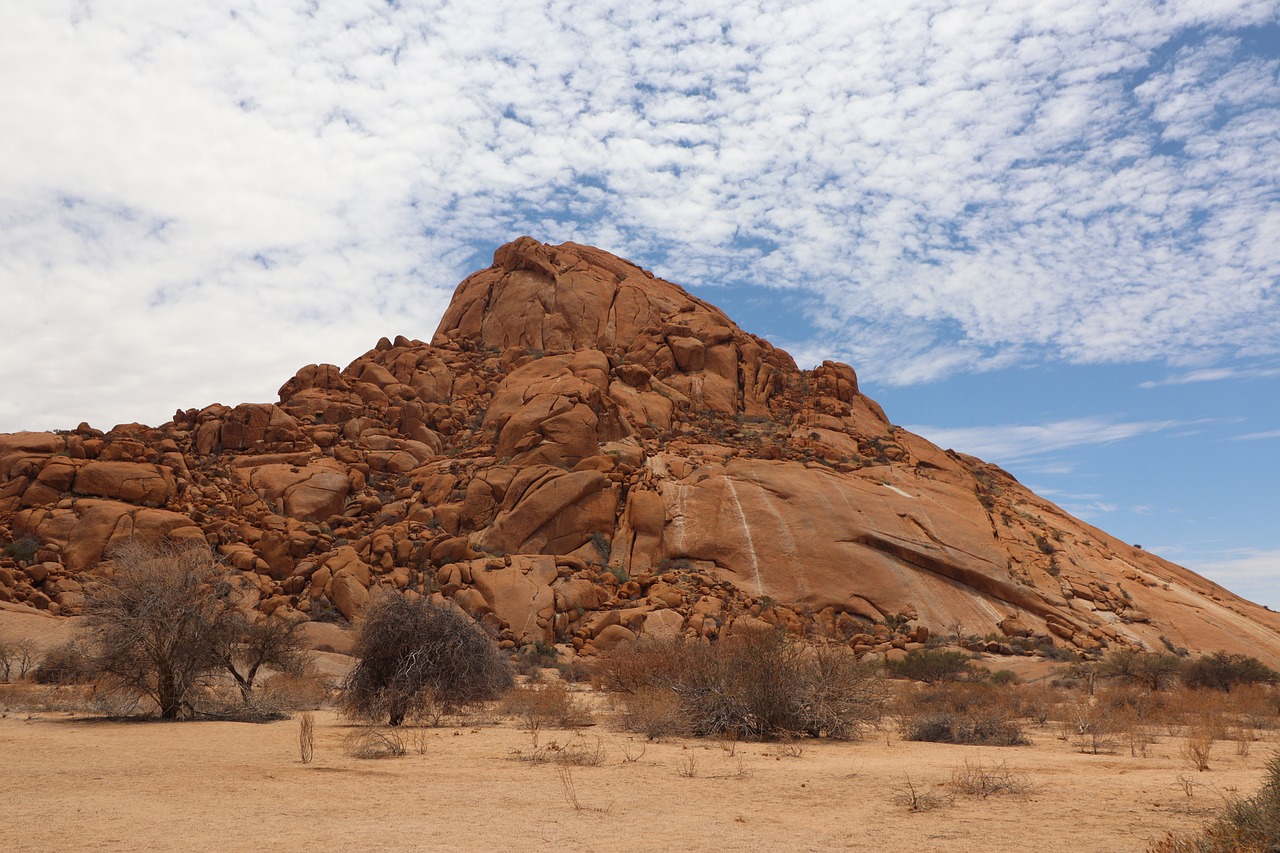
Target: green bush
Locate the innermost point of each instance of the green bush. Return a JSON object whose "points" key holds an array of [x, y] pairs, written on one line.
{"points": [[1223, 671], [932, 665], [1153, 670]]}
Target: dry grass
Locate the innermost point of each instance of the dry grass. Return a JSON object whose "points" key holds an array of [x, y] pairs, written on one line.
{"points": [[374, 742], [546, 705], [306, 736], [979, 779]]}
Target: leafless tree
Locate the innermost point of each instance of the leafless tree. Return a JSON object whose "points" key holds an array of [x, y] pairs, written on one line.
{"points": [[162, 622], [273, 642]]}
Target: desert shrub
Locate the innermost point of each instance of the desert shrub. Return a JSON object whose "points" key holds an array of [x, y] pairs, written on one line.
{"points": [[962, 713], [1245, 825], [1153, 670], [1223, 671], [23, 550], [1255, 705], [551, 704], [296, 691], [533, 658], [306, 737], [1037, 701], [418, 657], [374, 742], [655, 712], [932, 665], [979, 779], [754, 685], [68, 663], [28, 697]]}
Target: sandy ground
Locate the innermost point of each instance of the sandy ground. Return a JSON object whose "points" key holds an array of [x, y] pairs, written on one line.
{"points": [[79, 784]]}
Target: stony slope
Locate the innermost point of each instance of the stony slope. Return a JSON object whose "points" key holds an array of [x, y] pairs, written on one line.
{"points": [[584, 453]]}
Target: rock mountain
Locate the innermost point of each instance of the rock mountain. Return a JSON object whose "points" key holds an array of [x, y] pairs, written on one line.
{"points": [[584, 453]]}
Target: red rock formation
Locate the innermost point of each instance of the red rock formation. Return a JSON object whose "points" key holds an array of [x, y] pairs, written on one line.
{"points": [[585, 453]]}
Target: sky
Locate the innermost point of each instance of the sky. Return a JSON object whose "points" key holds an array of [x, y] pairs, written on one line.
{"points": [[1046, 234]]}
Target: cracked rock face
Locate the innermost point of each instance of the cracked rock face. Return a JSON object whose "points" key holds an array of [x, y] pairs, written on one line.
{"points": [[584, 454]]}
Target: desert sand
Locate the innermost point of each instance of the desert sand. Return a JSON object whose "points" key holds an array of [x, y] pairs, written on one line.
{"points": [[76, 783]]}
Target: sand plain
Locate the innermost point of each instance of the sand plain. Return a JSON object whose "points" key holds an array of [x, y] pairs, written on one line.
{"points": [[77, 783]]}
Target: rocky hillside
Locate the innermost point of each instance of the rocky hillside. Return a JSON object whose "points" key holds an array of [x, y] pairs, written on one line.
{"points": [[584, 453]]}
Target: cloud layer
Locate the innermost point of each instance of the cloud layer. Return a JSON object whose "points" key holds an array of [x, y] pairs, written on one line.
{"points": [[201, 193]]}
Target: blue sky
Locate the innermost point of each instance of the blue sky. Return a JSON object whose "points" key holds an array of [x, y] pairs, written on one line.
{"points": [[1047, 234]]}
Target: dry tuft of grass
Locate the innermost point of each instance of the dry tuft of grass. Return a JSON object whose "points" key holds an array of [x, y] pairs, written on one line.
{"points": [[979, 779]]}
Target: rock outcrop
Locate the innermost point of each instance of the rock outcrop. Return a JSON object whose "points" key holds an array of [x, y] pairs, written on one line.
{"points": [[584, 454]]}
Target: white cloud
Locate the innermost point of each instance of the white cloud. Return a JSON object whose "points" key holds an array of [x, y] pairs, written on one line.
{"points": [[1006, 443], [1213, 374], [201, 199], [1252, 573], [1258, 436]]}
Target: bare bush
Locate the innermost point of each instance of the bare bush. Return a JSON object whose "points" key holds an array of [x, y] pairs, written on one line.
{"points": [[417, 657], [979, 779], [655, 712], [374, 742], [271, 643], [756, 685], [1197, 748], [962, 713], [551, 704], [918, 798], [68, 663], [1091, 726], [306, 736]]}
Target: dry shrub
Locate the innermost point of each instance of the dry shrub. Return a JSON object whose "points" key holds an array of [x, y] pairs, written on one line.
{"points": [[982, 780], [1198, 746], [306, 736], [655, 712], [308, 690], [973, 713], [1255, 705], [574, 752], [918, 798], [374, 742], [64, 664], [26, 697], [1245, 825], [551, 704], [418, 658], [1038, 702], [756, 685], [1091, 726]]}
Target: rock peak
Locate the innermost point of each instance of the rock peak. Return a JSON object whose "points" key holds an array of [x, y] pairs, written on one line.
{"points": [[569, 297]]}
